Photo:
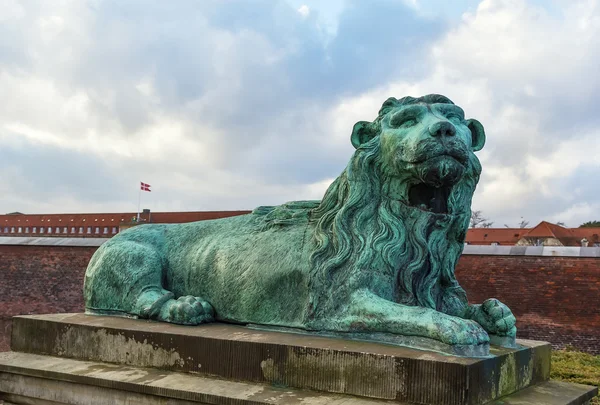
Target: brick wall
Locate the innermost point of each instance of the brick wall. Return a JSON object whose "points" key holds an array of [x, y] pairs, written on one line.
{"points": [[554, 298], [39, 280]]}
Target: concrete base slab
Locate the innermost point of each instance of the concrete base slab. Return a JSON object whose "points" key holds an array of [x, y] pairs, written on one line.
{"points": [[363, 369], [90, 383], [552, 393], [29, 379]]}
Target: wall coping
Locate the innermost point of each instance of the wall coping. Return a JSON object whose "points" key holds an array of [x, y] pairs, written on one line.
{"points": [[559, 251], [470, 250], [32, 241]]}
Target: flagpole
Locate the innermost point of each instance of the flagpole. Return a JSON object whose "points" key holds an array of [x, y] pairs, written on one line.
{"points": [[139, 201]]}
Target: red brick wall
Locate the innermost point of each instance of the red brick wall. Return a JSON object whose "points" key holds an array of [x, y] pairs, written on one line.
{"points": [[554, 298], [39, 280]]}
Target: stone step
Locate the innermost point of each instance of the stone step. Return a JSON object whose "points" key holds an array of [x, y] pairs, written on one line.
{"points": [[44, 380], [285, 359]]}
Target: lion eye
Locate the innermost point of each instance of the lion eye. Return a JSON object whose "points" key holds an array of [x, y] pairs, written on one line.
{"points": [[454, 117], [398, 122]]}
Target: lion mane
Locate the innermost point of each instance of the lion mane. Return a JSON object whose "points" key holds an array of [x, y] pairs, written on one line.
{"points": [[355, 225]]}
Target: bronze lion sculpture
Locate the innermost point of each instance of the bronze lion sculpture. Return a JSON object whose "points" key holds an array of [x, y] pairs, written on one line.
{"points": [[375, 255]]}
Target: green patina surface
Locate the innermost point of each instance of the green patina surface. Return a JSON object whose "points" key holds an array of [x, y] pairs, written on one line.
{"points": [[376, 254]]}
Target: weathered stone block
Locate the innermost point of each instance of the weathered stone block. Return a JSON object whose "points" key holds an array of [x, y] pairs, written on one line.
{"points": [[29, 379], [291, 360]]}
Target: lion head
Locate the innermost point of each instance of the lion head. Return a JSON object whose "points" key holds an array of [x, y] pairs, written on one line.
{"points": [[427, 145], [395, 220]]}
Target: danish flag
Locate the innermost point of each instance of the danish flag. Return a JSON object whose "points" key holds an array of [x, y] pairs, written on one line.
{"points": [[144, 186]]}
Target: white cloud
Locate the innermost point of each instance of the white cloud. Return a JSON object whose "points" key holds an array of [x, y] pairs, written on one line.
{"points": [[577, 214], [11, 10], [222, 110], [523, 73], [304, 10]]}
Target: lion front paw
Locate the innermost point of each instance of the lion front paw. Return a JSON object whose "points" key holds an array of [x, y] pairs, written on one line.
{"points": [[187, 310], [457, 331], [495, 317]]}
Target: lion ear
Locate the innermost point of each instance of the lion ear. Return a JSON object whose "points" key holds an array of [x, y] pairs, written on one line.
{"points": [[477, 134], [361, 133]]}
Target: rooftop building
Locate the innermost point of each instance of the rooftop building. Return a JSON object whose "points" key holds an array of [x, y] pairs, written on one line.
{"points": [[95, 225], [543, 234], [103, 225]]}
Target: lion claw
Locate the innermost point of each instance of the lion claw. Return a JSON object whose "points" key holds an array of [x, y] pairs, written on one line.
{"points": [[187, 310], [495, 317], [457, 331]]}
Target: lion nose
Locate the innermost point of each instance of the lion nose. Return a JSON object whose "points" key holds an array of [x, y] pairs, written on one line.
{"points": [[442, 128]]}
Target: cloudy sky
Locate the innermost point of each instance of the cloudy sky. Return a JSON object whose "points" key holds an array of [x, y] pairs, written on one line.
{"points": [[230, 104]]}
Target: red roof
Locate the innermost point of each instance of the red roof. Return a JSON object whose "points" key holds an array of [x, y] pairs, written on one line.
{"points": [[566, 236], [70, 223], [547, 230], [501, 236], [591, 234], [180, 217], [544, 230]]}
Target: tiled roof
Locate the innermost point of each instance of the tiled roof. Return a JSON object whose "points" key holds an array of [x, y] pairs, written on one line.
{"points": [[547, 230], [544, 230], [591, 234], [108, 224], [501, 236], [110, 219], [63, 219], [72, 223], [566, 236], [180, 217]]}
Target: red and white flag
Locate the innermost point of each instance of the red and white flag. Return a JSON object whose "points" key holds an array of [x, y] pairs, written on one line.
{"points": [[144, 186]]}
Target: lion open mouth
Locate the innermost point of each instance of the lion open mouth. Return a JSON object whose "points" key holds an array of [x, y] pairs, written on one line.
{"points": [[429, 198], [434, 180]]}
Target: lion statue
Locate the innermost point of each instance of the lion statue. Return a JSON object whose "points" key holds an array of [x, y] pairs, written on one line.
{"points": [[375, 255]]}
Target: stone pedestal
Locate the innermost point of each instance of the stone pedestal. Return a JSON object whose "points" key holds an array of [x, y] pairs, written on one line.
{"points": [[79, 359]]}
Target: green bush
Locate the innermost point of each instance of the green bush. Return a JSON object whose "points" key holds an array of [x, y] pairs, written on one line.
{"points": [[573, 366]]}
